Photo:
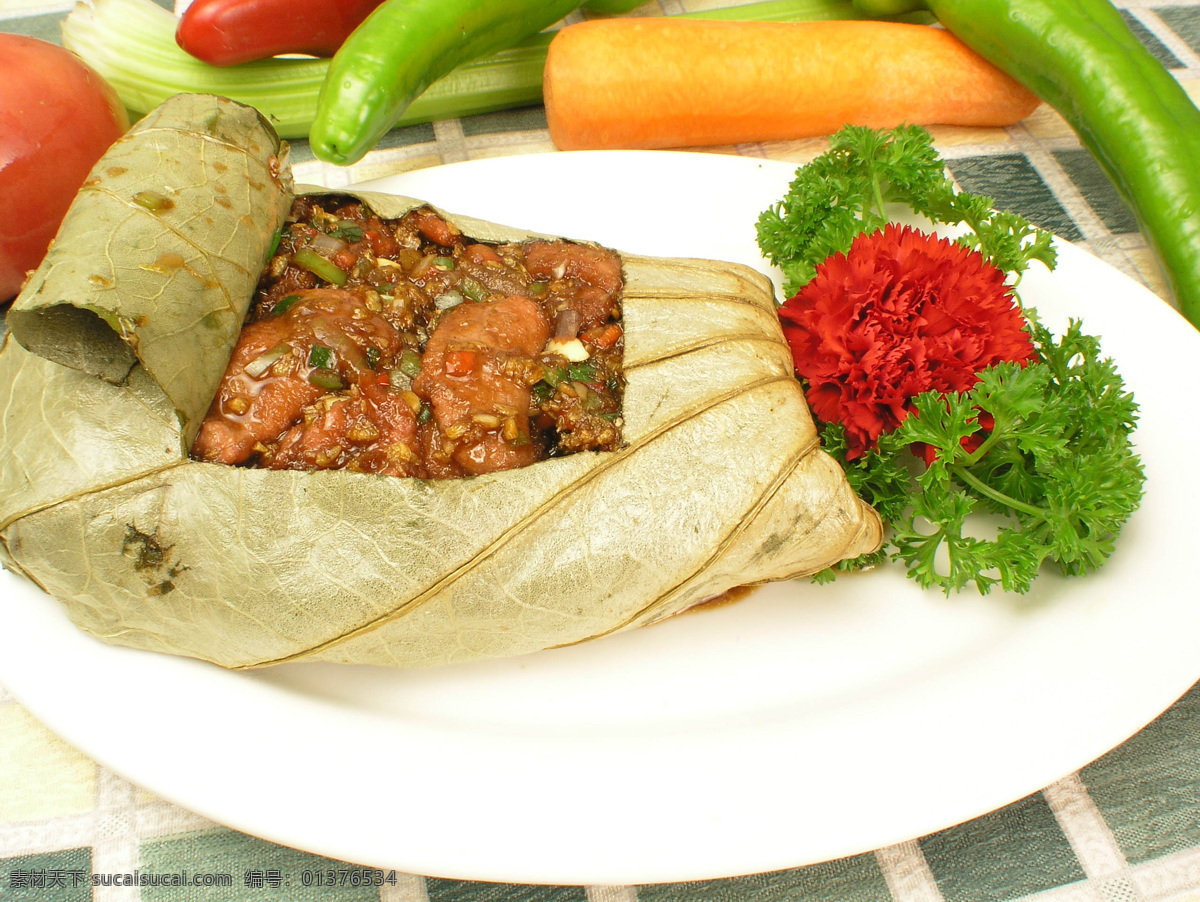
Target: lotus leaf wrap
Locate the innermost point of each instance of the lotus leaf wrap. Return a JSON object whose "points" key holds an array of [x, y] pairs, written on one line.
{"points": [[120, 339]]}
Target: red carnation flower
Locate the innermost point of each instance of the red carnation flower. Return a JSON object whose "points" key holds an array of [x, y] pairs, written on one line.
{"points": [[901, 313]]}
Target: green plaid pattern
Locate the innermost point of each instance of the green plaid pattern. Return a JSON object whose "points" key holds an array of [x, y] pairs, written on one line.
{"points": [[1126, 828]]}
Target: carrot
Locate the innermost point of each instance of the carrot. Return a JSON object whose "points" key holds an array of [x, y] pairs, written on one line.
{"points": [[662, 82]]}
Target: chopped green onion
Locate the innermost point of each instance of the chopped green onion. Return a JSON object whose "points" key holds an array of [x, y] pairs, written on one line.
{"points": [[322, 268], [326, 379], [153, 201], [266, 360], [473, 289], [131, 44], [346, 231], [554, 375], [410, 363], [284, 305], [373, 355], [320, 356], [582, 372], [444, 262], [539, 287], [425, 414]]}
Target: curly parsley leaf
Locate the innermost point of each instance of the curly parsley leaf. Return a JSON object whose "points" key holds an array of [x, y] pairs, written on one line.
{"points": [[1009, 241], [1035, 465], [1057, 468], [845, 192]]}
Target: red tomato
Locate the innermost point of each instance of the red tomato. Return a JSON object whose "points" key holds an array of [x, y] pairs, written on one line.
{"points": [[57, 118]]}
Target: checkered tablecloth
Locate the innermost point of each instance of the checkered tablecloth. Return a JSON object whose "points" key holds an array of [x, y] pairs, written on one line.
{"points": [[1126, 828]]}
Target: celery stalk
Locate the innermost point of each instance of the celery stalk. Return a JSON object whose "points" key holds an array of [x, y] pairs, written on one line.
{"points": [[799, 11], [131, 44]]}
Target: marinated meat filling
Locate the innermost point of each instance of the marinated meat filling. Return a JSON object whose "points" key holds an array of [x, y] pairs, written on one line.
{"points": [[403, 348]]}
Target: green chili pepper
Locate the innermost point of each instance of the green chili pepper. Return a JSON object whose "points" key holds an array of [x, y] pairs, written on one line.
{"points": [[322, 268], [402, 48], [1128, 110]]}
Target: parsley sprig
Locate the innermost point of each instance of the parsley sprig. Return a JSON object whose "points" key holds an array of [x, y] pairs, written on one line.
{"points": [[1057, 470], [1051, 476], [845, 192]]}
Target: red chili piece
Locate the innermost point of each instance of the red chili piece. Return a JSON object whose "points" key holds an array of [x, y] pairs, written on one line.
{"points": [[228, 32]]}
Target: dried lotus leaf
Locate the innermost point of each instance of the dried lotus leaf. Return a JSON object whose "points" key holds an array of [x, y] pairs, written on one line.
{"points": [[171, 210], [720, 482]]}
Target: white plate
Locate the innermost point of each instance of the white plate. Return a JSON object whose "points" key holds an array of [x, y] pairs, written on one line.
{"points": [[802, 724]]}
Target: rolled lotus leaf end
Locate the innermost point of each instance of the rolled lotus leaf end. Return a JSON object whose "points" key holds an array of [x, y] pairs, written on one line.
{"points": [[720, 480], [188, 202]]}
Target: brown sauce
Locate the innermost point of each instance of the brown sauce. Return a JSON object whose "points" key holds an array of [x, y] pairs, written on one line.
{"points": [[725, 599]]}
